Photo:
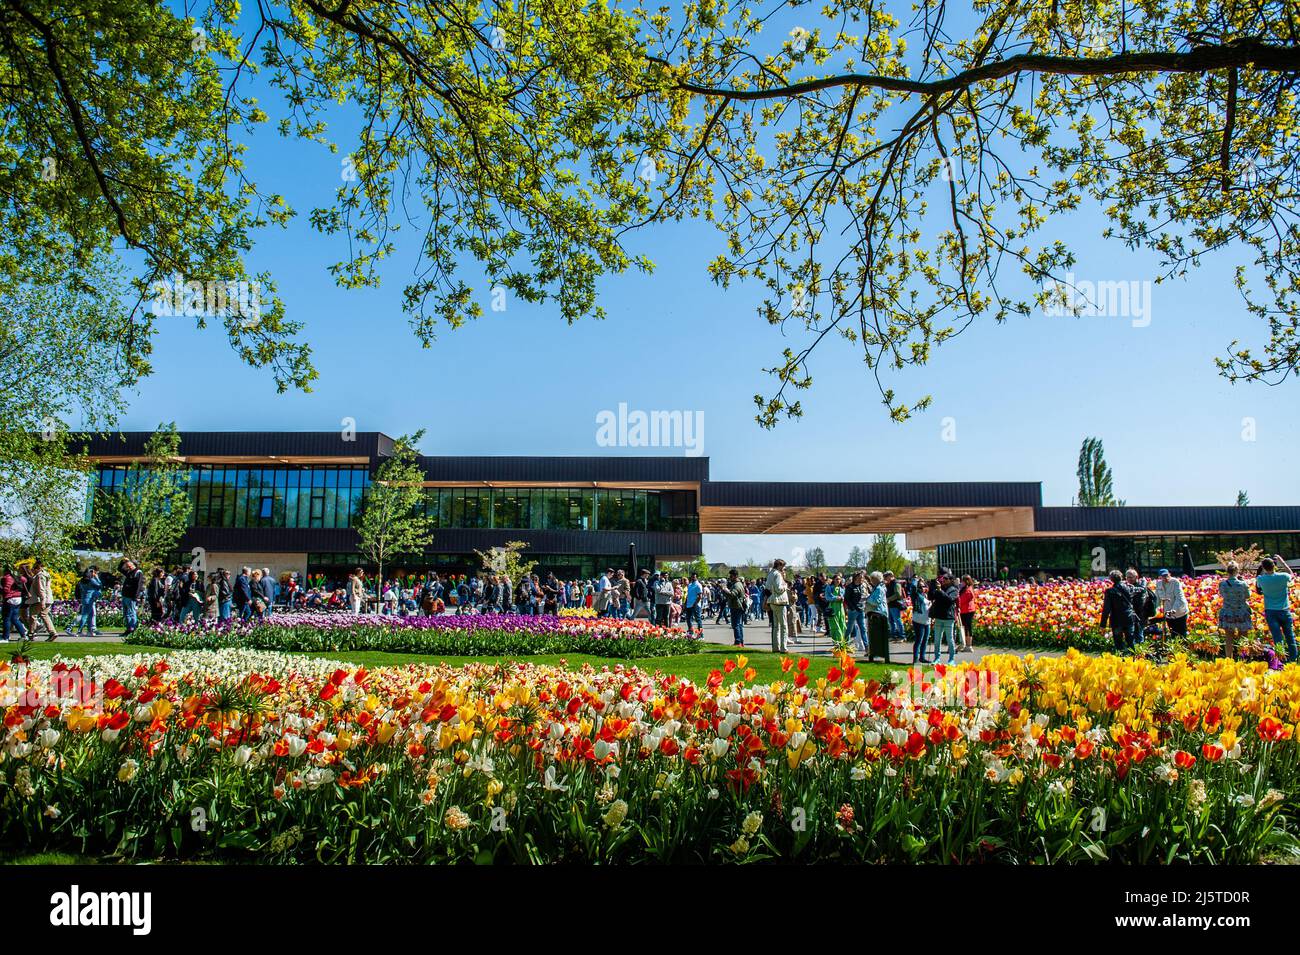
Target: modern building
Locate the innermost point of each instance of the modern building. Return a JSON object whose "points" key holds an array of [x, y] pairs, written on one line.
{"points": [[289, 501]]}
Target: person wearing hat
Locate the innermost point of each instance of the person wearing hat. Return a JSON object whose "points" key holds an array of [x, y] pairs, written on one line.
{"points": [[1172, 600]]}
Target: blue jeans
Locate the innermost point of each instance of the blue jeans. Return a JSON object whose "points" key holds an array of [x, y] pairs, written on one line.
{"points": [[896, 631], [942, 630], [246, 611], [1280, 625], [223, 610], [738, 628], [13, 620], [86, 619], [857, 624], [192, 606], [921, 636], [129, 614], [692, 614]]}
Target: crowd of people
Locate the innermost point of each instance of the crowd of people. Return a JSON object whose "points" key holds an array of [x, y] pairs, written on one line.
{"points": [[862, 609], [1134, 608]]}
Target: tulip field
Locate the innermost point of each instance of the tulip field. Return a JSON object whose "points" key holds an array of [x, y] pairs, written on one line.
{"points": [[241, 754], [1067, 613]]}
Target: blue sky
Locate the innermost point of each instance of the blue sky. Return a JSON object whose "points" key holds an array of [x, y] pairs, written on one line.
{"points": [[1022, 395]]}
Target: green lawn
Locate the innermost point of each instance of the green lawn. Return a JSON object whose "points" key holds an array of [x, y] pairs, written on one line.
{"points": [[695, 666]]}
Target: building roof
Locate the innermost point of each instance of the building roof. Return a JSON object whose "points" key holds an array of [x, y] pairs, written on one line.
{"points": [[929, 513]]}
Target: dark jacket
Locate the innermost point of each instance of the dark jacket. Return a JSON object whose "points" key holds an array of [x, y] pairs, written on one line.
{"points": [[266, 586], [157, 591], [852, 596], [243, 593], [943, 601], [1144, 603], [1117, 606], [132, 582]]}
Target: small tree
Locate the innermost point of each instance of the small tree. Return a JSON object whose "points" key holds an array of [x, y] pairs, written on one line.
{"points": [[145, 516], [43, 502], [885, 555], [392, 519], [1247, 558], [507, 560], [925, 563], [1096, 485], [815, 559], [857, 558], [1243, 499]]}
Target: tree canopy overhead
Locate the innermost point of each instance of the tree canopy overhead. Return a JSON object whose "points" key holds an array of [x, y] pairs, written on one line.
{"points": [[888, 172]]}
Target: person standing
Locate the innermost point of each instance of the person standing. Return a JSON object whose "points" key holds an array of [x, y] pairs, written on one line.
{"points": [[943, 597], [854, 600], [269, 588], [663, 599], [356, 590], [643, 595], [211, 598], [737, 597], [1235, 619], [920, 623], [88, 591], [1117, 611], [966, 609], [895, 600], [801, 601], [132, 588], [1275, 586], [877, 619], [834, 599], [604, 593], [243, 594], [551, 595], [1144, 603], [224, 594], [190, 599], [624, 588], [506, 594], [693, 607], [157, 594], [1172, 602], [778, 601]]}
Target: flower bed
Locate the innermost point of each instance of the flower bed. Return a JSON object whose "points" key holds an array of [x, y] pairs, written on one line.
{"points": [[250, 755], [108, 614], [1067, 613], [452, 635]]}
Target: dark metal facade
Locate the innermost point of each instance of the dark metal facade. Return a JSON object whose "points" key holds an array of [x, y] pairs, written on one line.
{"points": [[876, 494]]}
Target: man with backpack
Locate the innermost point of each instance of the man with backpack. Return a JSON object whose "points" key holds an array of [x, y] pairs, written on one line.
{"points": [[1117, 611], [737, 596]]}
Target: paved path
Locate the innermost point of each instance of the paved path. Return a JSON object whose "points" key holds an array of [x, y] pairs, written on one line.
{"points": [[758, 638]]}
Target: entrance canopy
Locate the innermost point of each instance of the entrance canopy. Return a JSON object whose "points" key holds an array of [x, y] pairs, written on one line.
{"points": [[927, 513]]}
